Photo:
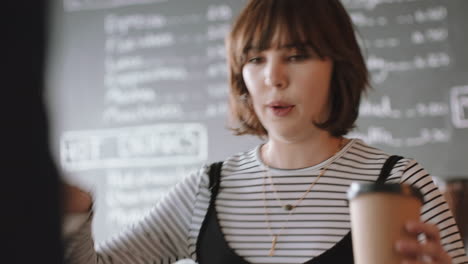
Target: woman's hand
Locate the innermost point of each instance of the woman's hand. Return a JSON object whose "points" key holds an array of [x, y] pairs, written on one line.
{"points": [[430, 251], [75, 200]]}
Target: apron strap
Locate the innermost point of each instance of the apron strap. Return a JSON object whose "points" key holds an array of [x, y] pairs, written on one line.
{"points": [[387, 168], [215, 174]]}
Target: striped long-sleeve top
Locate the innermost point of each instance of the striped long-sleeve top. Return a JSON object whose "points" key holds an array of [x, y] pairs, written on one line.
{"points": [[246, 201]]}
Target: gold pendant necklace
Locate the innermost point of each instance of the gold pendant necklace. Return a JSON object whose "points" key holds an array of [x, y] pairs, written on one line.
{"points": [[287, 207], [276, 236], [273, 245]]}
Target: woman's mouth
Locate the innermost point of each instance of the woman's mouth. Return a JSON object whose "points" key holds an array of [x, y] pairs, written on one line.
{"points": [[281, 110]]}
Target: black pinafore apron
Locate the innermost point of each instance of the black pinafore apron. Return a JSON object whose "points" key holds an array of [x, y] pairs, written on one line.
{"points": [[212, 248]]}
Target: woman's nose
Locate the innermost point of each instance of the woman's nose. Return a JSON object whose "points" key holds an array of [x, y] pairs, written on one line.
{"points": [[276, 75]]}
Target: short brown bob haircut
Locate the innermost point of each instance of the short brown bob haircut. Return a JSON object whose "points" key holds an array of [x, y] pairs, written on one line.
{"points": [[324, 26]]}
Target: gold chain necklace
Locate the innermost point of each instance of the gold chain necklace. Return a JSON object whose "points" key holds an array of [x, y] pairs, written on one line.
{"points": [[288, 207]]}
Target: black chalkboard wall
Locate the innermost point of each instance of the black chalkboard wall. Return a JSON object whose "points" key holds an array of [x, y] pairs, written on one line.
{"points": [[138, 91]]}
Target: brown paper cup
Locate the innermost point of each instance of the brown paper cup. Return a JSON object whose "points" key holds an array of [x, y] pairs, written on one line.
{"points": [[378, 215]]}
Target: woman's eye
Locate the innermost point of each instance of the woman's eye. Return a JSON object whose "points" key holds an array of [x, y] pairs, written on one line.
{"points": [[255, 60], [298, 57]]}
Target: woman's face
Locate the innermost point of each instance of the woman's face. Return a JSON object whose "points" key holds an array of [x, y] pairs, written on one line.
{"points": [[289, 88]]}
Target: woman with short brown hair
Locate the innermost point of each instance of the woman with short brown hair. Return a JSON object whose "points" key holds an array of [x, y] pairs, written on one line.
{"points": [[326, 29]]}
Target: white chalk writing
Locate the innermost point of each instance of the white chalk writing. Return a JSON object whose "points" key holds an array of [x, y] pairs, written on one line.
{"points": [[382, 67], [218, 12], [142, 113], [371, 4], [380, 109], [383, 136], [115, 24], [149, 146], [78, 5]]}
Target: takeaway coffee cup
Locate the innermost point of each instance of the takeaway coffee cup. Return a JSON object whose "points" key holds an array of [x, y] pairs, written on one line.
{"points": [[378, 215]]}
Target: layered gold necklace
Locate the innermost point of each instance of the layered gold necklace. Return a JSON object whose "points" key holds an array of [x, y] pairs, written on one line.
{"points": [[288, 207]]}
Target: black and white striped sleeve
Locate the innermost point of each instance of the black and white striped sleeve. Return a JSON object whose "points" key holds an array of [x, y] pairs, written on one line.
{"points": [[436, 210], [160, 237]]}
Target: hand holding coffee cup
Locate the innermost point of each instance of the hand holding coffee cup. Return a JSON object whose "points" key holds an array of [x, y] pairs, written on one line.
{"points": [[385, 224], [431, 251]]}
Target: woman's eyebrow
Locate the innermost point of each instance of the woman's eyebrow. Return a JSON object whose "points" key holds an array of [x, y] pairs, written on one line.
{"points": [[299, 46], [290, 46], [252, 49]]}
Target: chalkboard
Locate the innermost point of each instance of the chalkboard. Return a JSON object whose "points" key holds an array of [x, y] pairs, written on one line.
{"points": [[138, 91]]}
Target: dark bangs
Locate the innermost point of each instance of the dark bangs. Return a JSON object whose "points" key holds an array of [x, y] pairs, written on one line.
{"points": [[275, 24]]}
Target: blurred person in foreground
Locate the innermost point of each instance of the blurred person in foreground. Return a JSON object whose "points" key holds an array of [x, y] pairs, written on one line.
{"points": [[30, 195]]}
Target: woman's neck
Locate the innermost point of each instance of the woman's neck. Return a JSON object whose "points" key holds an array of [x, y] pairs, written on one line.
{"points": [[306, 153]]}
